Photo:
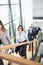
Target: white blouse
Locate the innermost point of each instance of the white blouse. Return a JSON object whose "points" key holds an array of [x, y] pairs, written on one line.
{"points": [[20, 38]]}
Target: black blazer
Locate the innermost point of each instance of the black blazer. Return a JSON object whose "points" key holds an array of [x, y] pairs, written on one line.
{"points": [[31, 35]]}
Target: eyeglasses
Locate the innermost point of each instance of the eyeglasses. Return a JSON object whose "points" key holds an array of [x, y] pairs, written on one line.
{"points": [[20, 28]]}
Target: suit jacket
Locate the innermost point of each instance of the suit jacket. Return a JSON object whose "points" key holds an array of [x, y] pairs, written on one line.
{"points": [[31, 35]]}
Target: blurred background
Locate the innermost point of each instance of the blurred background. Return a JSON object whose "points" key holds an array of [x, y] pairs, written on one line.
{"points": [[24, 12], [14, 13]]}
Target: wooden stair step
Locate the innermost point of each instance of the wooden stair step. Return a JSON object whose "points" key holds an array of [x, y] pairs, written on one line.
{"points": [[37, 58]]}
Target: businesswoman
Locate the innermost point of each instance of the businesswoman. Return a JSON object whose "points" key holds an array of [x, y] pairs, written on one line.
{"points": [[4, 37], [21, 37]]}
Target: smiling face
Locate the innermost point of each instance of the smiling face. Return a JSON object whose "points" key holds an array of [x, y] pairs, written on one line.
{"points": [[20, 29]]}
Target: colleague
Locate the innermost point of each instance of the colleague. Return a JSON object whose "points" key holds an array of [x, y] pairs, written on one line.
{"points": [[21, 37], [31, 34], [4, 36]]}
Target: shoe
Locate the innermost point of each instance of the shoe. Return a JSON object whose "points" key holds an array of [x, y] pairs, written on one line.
{"points": [[9, 63]]}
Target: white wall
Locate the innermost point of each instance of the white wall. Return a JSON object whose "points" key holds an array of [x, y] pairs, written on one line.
{"points": [[38, 8], [38, 23], [27, 12], [38, 12]]}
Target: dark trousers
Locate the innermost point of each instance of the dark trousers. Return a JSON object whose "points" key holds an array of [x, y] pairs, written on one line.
{"points": [[1, 62], [40, 57], [21, 50]]}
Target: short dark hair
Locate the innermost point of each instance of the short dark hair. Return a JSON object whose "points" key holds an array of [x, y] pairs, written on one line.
{"points": [[21, 27]]}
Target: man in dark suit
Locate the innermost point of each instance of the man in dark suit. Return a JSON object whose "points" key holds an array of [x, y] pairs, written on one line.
{"points": [[31, 34]]}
